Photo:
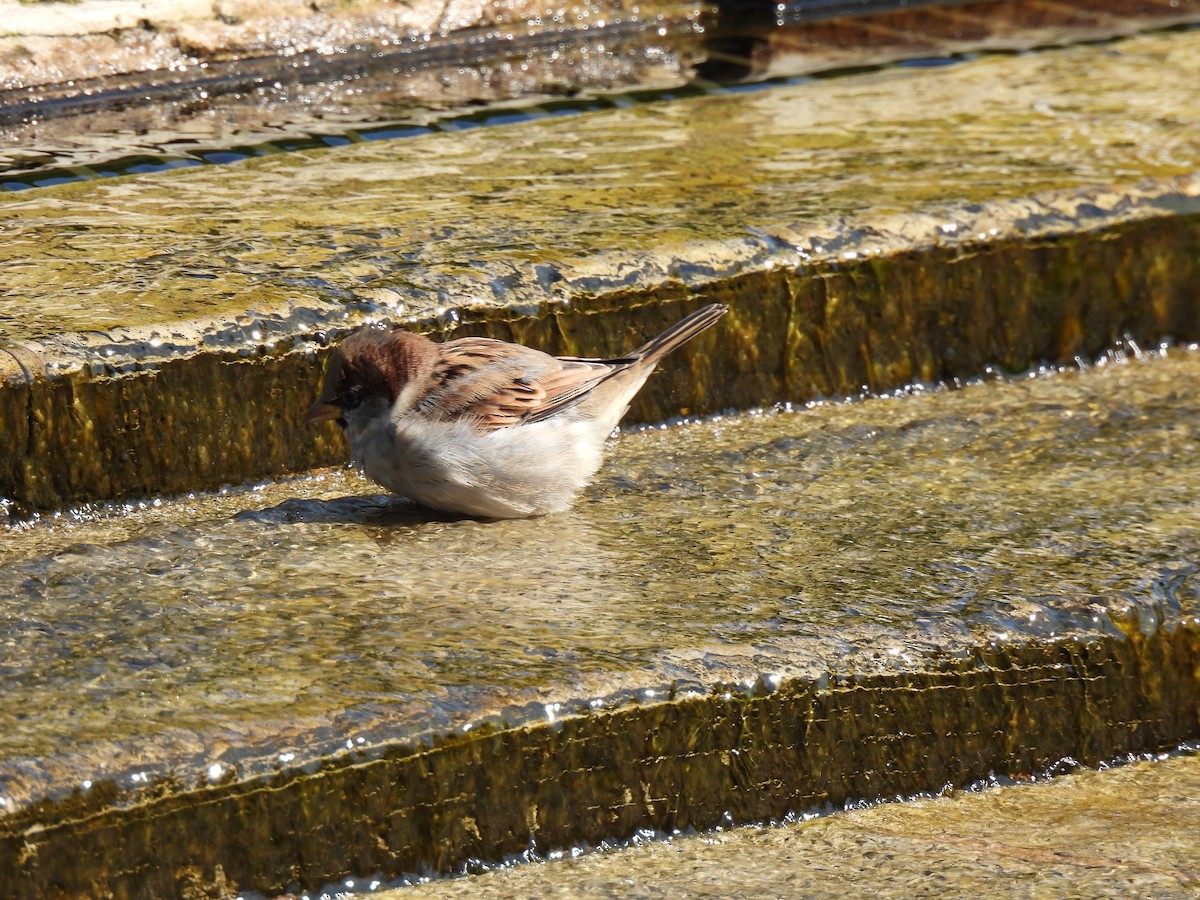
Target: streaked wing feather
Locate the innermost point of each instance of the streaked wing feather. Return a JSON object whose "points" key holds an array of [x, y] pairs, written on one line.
{"points": [[496, 384], [571, 383]]}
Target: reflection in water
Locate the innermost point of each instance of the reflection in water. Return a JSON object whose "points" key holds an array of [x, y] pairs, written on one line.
{"points": [[284, 619], [228, 111]]}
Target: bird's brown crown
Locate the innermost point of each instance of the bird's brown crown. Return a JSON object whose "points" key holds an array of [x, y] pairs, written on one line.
{"points": [[375, 362]]}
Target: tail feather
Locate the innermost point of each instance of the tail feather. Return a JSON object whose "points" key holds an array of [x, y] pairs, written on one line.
{"points": [[679, 333], [608, 394]]}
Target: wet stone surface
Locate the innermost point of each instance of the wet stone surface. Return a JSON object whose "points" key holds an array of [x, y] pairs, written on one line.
{"points": [[227, 112], [304, 678], [60, 50], [476, 218], [258, 629], [277, 77], [1122, 832], [164, 333]]}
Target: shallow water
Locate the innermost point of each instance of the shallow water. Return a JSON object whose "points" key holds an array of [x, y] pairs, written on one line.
{"points": [[191, 110], [444, 220], [263, 627], [226, 110], [1118, 833]]}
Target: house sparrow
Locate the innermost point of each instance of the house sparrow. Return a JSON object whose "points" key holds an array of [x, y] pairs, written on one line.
{"points": [[480, 426]]}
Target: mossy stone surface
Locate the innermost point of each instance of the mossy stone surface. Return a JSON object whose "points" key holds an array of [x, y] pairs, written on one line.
{"points": [[851, 223], [750, 615]]}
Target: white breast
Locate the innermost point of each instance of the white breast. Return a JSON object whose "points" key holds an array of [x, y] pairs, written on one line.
{"points": [[528, 470]]}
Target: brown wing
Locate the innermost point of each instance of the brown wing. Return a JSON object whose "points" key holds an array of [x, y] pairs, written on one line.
{"points": [[496, 384]]}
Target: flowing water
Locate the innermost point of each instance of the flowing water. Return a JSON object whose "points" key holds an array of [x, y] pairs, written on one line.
{"points": [[406, 227], [1082, 836], [196, 642], [260, 628]]}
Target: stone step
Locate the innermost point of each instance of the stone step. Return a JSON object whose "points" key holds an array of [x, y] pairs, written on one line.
{"points": [[280, 685], [1072, 836], [745, 617], [99, 88], [165, 333]]}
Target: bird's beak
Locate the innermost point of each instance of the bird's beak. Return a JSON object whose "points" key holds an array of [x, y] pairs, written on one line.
{"points": [[323, 412]]}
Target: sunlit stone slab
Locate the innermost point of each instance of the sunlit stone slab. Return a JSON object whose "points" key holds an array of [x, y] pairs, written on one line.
{"points": [[745, 616], [903, 225]]}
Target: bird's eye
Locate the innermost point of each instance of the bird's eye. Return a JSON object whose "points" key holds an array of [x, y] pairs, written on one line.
{"points": [[351, 397]]}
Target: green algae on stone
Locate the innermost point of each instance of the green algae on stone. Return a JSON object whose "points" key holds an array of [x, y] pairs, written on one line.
{"points": [[188, 422], [587, 779]]}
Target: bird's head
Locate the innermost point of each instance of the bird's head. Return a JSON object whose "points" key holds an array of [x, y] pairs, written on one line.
{"points": [[368, 372]]}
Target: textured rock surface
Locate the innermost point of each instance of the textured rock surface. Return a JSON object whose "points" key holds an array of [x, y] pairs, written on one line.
{"points": [[208, 298], [59, 42], [749, 616], [1114, 833]]}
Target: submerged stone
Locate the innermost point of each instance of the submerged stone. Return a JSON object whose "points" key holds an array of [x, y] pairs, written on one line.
{"points": [[412, 227], [91, 88], [1110, 834], [750, 615], [177, 345], [134, 411], [273, 686]]}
